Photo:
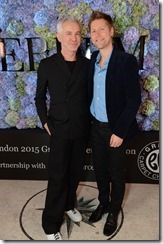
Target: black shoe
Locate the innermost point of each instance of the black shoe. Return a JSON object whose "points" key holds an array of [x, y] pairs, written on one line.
{"points": [[110, 225], [97, 214]]}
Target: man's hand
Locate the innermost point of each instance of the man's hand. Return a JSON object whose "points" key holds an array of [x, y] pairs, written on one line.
{"points": [[2, 50], [115, 141], [47, 128]]}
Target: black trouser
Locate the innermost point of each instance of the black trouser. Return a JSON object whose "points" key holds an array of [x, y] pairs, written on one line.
{"points": [[108, 164], [66, 160]]}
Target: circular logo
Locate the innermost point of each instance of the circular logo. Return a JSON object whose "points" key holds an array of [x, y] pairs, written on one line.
{"points": [[30, 217], [148, 160]]}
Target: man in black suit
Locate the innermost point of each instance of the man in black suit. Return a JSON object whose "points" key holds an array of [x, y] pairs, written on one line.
{"points": [[115, 97], [67, 121]]}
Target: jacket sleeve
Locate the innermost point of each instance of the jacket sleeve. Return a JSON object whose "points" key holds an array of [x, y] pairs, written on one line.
{"points": [[132, 93], [41, 91]]}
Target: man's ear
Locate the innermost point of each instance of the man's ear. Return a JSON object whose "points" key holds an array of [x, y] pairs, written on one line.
{"points": [[58, 35]]}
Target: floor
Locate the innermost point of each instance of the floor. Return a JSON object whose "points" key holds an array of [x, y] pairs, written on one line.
{"points": [[22, 202]]}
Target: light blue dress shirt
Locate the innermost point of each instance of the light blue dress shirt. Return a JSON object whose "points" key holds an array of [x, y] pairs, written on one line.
{"points": [[98, 105]]}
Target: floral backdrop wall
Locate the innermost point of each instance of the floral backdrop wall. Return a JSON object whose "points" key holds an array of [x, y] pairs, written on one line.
{"points": [[24, 19]]}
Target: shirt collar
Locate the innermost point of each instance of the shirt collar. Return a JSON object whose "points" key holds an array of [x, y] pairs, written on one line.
{"points": [[99, 57]]}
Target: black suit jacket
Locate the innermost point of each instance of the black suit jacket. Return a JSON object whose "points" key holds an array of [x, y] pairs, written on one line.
{"points": [[123, 94], [68, 115]]}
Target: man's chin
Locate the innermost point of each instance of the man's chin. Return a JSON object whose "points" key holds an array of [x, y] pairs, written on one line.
{"points": [[99, 47]]}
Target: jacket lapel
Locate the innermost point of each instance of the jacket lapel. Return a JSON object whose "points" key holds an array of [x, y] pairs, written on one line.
{"points": [[61, 62], [111, 69], [70, 77]]}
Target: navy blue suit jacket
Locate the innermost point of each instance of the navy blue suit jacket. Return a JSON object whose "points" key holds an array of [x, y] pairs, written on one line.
{"points": [[123, 94]]}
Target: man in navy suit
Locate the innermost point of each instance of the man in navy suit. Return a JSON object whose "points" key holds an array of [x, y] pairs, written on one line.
{"points": [[65, 76], [115, 97]]}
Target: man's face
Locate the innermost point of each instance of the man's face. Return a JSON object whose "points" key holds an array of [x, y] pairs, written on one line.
{"points": [[101, 33], [70, 36]]}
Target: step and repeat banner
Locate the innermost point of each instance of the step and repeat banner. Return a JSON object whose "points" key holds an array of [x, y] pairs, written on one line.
{"points": [[28, 32], [24, 155]]}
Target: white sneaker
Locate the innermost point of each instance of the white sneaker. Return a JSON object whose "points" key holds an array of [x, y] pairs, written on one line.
{"points": [[74, 215], [54, 237]]}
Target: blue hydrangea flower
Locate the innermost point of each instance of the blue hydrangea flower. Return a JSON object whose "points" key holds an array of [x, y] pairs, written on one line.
{"points": [[147, 124], [153, 47], [155, 34], [131, 36], [3, 124], [51, 4], [146, 20], [41, 18], [21, 124], [30, 111]]}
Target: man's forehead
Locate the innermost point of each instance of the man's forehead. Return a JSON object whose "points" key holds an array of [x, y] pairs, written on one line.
{"points": [[71, 24]]}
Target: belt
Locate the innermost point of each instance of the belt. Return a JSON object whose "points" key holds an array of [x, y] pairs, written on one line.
{"points": [[99, 123]]}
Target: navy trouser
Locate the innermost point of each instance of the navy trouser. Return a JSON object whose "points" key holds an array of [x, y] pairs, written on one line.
{"points": [[66, 160], [109, 169]]}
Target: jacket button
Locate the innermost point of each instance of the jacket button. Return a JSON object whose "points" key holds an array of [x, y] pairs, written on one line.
{"points": [[67, 99]]}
